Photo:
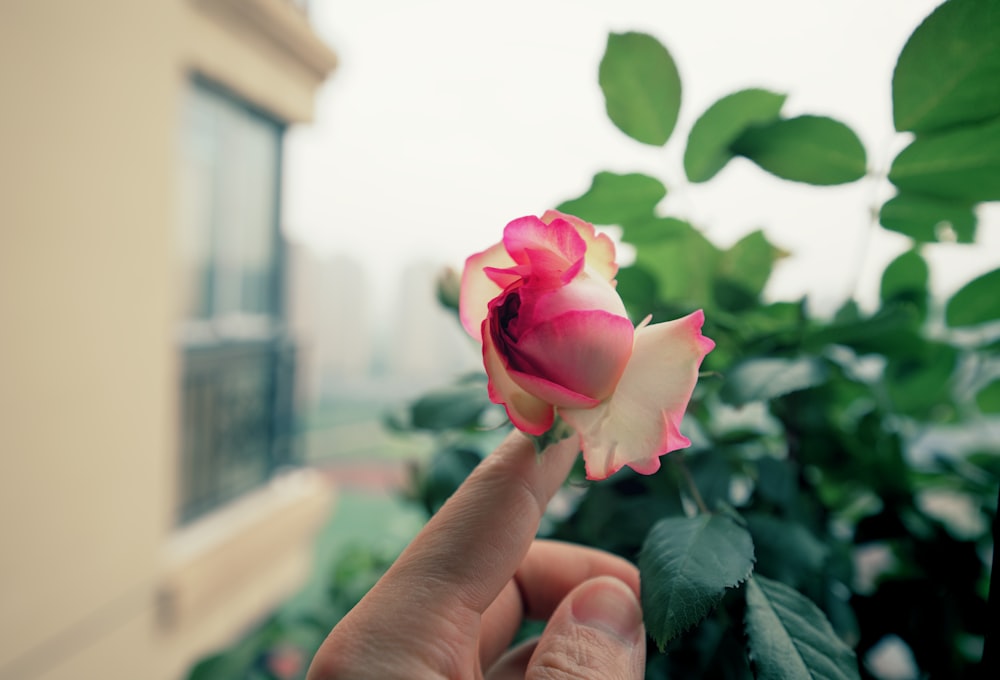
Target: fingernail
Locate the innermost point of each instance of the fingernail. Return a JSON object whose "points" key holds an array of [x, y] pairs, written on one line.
{"points": [[609, 605]]}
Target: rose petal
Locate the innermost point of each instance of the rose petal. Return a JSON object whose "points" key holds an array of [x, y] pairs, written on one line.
{"points": [[585, 352], [640, 421], [528, 413], [477, 288], [600, 248], [584, 293], [528, 239], [505, 277], [550, 392]]}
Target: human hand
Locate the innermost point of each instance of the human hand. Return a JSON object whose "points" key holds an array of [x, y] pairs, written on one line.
{"points": [[453, 601]]}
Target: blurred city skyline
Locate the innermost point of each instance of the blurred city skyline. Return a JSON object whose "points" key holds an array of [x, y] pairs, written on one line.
{"points": [[351, 351]]}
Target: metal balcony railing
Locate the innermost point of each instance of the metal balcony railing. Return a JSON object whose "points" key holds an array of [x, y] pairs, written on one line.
{"points": [[238, 426]]}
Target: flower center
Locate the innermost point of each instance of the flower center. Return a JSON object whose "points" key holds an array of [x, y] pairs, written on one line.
{"points": [[504, 325]]}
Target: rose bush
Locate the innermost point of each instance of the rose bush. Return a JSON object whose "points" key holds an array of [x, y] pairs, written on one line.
{"points": [[852, 503], [557, 343]]}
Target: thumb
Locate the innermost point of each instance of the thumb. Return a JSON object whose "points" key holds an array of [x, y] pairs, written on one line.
{"points": [[595, 633]]}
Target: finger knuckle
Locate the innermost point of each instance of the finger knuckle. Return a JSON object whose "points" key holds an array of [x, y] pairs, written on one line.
{"points": [[576, 662]]}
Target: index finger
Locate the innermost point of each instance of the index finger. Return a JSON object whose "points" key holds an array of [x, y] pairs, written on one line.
{"points": [[474, 544]]}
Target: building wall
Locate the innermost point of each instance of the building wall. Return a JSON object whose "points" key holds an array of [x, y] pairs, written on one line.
{"points": [[89, 369]]}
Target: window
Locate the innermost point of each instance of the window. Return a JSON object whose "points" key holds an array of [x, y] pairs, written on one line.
{"points": [[231, 158], [238, 362]]}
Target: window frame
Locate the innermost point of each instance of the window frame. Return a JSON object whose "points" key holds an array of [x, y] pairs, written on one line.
{"points": [[236, 410], [220, 326]]}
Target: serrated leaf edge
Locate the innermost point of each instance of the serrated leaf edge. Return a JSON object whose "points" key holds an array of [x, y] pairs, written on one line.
{"points": [[740, 522], [746, 629]]}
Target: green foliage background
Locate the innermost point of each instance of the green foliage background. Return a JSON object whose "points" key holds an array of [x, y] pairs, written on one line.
{"points": [[812, 516]]}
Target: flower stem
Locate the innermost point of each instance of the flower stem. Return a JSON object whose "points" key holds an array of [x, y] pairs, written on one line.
{"points": [[681, 463], [990, 663]]}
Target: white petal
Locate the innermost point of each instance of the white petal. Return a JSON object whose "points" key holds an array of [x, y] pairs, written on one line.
{"points": [[477, 288], [640, 421]]}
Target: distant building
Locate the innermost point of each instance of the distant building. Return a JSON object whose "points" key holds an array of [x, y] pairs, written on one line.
{"points": [[426, 344], [146, 364], [330, 311], [351, 346]]}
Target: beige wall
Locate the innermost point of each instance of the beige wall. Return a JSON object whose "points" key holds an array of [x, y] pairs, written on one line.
{"points": [[88, 366]]}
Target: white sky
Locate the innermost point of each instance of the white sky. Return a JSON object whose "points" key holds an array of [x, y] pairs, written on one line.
{"points": [[448, 118]]}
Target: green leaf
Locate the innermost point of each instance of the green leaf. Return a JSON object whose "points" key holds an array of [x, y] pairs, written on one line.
{"points": [[656, 230], [712, 475], [928, 219], [678, 256], [949, 70], [988, 463], [791, 638], [558, 431], [641, 85], [749, 262], [637, 288], [920, 385], [722, 123], [445, 472], [222, 665], [847, 313], [976, 302], [617, 199], [889, 331], [961, 164], [450, 407], [810, 149], [234, 662], [776, 319], [685, 566], [619, 521], [770, 377], [988, 398], [786, 550], [906, 274], [777, 482], [905, 281]]}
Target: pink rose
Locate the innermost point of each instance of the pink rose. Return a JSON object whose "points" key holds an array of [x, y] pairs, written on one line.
{"points": [[556, 340]]}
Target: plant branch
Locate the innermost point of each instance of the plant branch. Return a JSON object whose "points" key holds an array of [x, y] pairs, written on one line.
{"points": [[681, 463], [989, 666]]}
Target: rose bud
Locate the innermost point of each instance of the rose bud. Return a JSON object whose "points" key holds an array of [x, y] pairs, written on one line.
{"points": [[557, 341]]}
